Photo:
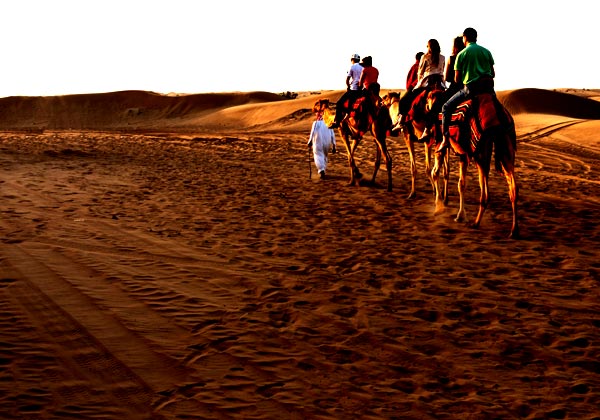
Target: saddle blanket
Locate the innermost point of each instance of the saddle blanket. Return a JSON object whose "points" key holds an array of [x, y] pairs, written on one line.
{"points": [[416, 111], [361, 113], [465, 132]]}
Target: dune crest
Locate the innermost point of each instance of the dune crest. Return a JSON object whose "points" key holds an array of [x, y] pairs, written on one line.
{"points": [[117, 110], [540, 101], [148, 111]]}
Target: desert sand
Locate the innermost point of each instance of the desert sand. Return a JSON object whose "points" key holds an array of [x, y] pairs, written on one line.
{"points": [[168, 257]]}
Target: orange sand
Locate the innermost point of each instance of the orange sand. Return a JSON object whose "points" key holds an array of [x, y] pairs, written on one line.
{"points": [[168, 257]]}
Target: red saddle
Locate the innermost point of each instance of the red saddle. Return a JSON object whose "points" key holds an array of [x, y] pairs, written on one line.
{"points": [[472, 118], [416, 111], [362, 111]]}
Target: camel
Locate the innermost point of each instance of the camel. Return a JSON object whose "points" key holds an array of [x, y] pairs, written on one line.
{"points": [[479, 126], [412, 127], [365, 116]]}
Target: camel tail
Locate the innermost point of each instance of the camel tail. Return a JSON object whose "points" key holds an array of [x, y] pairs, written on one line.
{"points": [[505, 148], [505, 141]]}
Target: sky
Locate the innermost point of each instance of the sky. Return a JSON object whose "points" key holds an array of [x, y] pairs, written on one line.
{"points": [[59, 47]]}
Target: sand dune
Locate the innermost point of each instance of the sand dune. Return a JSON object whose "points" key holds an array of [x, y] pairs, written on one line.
{"points": [[540, 101], [117, 110], [143, 111], [168, 257]]}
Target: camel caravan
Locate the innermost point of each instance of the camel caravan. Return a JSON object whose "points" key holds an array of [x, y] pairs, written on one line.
{"points": [[465, 119]]}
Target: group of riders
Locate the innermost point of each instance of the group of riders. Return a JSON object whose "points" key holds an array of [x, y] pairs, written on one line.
{"points": [[473, 121], [468, 72]]}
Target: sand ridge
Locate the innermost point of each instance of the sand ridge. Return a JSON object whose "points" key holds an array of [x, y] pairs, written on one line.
{"points": [[128, 111]]}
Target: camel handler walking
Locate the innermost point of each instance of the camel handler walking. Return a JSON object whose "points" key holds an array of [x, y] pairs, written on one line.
{"points": [[321, 139]]}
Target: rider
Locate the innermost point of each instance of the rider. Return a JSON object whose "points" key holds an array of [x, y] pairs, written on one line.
{"points": [[430, 74], [411, 80], [369, 76], [431, 67], [453, 85], [368, 80], [352, 90], [475, 68], [413, 74]]}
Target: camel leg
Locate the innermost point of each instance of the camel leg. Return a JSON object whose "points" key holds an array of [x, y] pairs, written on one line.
{"points": [[508, 170], [439, 158], [484, 197], [427, 151], [357, 176], [446, 174], [483, 168], [463, 163], [349, 157], [383, 150], [513, 192], [377, 161], [351, 146], [412, 163], [388, 166], [507, 161]]}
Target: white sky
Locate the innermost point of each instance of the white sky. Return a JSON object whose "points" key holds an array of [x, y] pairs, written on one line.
{"points": [[55, 47]]}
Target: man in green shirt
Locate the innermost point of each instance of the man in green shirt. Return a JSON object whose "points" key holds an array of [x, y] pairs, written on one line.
{"points": [[475, 67]]}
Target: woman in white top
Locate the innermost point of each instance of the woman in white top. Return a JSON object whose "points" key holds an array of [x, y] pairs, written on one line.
{"points": [[431, 76], [431, 67]]}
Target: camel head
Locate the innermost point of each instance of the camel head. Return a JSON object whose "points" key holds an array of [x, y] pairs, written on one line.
{"points": [[390, 98], [433, 97], [392, 102]]}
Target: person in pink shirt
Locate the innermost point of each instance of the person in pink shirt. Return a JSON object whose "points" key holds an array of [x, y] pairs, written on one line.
{"points": [[411, 81], [369, 76], [413, 74]]}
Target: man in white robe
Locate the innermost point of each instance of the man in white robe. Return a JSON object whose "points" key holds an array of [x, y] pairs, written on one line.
{"points": [[322, 140]]}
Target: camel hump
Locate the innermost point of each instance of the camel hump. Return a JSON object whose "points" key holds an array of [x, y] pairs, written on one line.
{"points": [[489, 111]]}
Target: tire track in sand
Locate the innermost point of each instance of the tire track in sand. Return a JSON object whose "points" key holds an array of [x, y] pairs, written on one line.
{"points": [[92, 348], [87, 270]]}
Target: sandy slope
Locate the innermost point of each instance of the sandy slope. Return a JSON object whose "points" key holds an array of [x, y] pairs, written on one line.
{"points": [[175, 274], [252, 111]]}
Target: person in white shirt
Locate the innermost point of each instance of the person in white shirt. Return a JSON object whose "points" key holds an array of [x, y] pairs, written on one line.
{"points": [[352, 90], [321, 139]]}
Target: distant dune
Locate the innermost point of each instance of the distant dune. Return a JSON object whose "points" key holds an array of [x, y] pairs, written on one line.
{"points": [[540, 101], [147, 111], [117, 110]]}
